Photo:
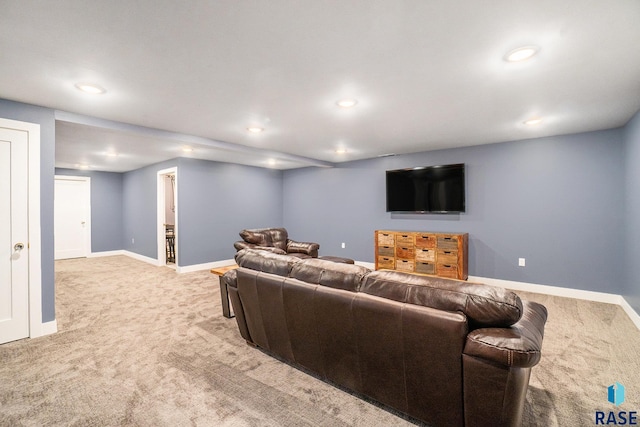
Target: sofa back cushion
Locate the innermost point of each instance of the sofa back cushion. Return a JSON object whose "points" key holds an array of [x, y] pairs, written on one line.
{"points": [[332, 274], [265, 261], [484, 305]]}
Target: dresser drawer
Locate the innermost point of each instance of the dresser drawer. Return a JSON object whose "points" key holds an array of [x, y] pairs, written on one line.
{"points": [[425, 255], [447, 270], [386, 251], [404, 239], [447, 242], [405, 252], [386, 263], [386, 239], [425, 268], [447, 257], [425, 240], [405, 265]]}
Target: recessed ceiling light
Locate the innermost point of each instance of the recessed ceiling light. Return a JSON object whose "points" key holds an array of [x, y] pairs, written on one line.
{"points": [[111, 154], [533, 121], [187, 149], [272, 162], [341, 150], [255, 129], [90, 88], [82, 166], [521, 53], [347, 103]]}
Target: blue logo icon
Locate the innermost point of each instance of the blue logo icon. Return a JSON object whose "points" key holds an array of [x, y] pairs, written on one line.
{"points": [[615, 394]]}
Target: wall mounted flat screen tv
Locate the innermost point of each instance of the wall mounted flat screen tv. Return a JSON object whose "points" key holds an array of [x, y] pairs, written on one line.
{"points": [[429, 189]]}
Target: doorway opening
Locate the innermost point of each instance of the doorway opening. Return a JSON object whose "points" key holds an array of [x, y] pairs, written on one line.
{"points": [[168, 217]]}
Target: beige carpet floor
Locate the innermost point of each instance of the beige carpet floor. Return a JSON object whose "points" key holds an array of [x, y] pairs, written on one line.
{"points": [[142, 345]]}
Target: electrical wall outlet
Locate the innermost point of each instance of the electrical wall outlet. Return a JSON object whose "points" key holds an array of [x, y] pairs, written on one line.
{"points": [[133, 240], [521, 262], [344, 245]]}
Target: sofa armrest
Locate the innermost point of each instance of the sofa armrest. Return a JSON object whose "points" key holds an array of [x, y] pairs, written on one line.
{"points": [[230, 278], [308, 248], [516, 346]]}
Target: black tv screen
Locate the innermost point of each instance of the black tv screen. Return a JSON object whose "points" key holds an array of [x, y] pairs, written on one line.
{"points": [[429, 189]]}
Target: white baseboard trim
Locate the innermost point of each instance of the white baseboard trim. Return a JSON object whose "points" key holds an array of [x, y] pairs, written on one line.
{"points": [[633, 315], [179, 269], [49, 328], [105, 253], [550, 290], [46, 328], [205, 266], [143, 258]]}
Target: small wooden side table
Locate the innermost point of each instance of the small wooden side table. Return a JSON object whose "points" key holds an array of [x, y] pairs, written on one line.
{"points": [[224, 293]]}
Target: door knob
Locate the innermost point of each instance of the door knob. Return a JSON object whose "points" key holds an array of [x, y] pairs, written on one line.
{"points": [[18, 247]]}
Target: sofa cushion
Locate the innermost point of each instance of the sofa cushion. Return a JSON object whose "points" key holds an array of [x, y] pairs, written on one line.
{"points": [[331, 274], [266, 261], [484, 305], [256, 237]]}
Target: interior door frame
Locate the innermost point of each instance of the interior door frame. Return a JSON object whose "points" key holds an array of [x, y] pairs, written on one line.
{"points": [[162, 239], [87, 181], [34, 246]]}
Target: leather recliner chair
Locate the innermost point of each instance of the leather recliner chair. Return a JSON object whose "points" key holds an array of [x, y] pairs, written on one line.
{"points": [[276, 240]]}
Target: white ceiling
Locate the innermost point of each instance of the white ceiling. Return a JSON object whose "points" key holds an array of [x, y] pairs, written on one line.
{"points": [[427, 75]]}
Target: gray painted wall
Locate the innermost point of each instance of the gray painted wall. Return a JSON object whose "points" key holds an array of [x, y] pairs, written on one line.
{"points": [[632, 160], [106, 208], [215, 201], [45, 118], [139, 209], [555, 201]]}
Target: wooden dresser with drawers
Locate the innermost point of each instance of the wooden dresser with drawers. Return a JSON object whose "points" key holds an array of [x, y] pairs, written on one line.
{"points": [[423, 252]]}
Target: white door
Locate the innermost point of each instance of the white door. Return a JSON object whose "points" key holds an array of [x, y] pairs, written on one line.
{"points": [[72, 215], [14, 232]]}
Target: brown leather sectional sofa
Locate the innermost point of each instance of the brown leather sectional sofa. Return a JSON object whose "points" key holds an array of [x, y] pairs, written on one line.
{"points": [[445, 352]]}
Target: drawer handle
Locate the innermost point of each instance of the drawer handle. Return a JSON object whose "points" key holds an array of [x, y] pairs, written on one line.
{"points": [[447, 252], [447, 238]]}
